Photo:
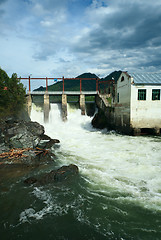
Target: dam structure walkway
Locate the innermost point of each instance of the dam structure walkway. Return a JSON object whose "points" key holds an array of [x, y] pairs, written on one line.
{"points": [[63, 93]]}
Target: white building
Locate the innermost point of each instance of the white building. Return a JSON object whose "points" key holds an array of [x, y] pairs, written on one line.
{"points": [[137, 103]]}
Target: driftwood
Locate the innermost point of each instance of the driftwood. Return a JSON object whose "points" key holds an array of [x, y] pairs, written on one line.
{"points": [[17, 153], [40, 151]]}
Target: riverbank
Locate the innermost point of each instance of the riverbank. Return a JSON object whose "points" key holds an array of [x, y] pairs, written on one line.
{"points": [[23, 147], [24, 142]]}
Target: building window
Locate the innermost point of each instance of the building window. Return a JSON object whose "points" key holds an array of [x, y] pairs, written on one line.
{"points": [[155, 94], [122, 79], [142, 94]]}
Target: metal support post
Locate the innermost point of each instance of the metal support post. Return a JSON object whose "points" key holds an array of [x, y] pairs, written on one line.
{"points": [[80, 85], [29, 85], [46, 84], [63, 84]]}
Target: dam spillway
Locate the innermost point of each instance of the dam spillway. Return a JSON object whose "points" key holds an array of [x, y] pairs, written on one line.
{"points": [[64, 101]]}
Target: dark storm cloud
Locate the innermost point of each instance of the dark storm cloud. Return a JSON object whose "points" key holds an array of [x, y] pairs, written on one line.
{"points": [[129, 27], [124, 34]]}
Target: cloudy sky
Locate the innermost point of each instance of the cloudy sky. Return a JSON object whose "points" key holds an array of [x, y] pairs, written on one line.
{"points": [[56, 38]]}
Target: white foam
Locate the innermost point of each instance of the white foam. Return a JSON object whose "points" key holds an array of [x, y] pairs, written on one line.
{"points": [[130, 165], [50, 206]]}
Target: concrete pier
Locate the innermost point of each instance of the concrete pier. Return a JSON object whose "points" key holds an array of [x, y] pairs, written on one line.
{"points": [[46, 107], [82, 103], [64, 107], [29, 104]]}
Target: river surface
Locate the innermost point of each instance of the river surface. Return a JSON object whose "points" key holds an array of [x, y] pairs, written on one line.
{"points": [[117, 195]]}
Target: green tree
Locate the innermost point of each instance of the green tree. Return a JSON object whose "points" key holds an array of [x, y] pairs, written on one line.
{"points": [[12, 94]]}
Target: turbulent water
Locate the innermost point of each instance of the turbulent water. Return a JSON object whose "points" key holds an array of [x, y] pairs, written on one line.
{"points": [[116, 196]]}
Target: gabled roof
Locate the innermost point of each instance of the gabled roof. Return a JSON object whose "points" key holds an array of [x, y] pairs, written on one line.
{"points": [[146, 78]]}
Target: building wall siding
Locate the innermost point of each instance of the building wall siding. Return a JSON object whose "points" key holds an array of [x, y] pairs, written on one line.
{"points": [[145, 113], [122, 107]]}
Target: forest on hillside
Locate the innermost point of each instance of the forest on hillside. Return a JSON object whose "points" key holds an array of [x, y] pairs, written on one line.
{"points": [[12, 94]]}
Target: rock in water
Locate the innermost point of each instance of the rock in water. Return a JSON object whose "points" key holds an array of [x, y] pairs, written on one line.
{"points": [[30, 180], [59, 175], [51, 143], [65, 172]]}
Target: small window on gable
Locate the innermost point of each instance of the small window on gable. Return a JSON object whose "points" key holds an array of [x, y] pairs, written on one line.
{"points": [[155, 94], [122, 79], [142, 94]]}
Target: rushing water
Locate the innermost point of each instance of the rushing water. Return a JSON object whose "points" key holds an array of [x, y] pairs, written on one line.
{"points": [[116, 196]]}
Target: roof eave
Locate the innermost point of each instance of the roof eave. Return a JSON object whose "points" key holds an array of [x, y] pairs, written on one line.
{"points": [[148, 84]]}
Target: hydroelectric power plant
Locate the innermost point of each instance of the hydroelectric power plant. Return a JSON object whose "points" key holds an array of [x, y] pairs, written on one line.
{"points": [[116, 196]]}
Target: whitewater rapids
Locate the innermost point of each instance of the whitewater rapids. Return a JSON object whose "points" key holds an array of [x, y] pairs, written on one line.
{"points": [[125, 166]]}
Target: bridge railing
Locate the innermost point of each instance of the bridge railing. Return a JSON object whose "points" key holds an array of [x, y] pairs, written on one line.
{"points": [[46, 79]]}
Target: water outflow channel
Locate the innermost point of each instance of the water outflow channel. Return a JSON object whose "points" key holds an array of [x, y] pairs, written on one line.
{"points": [[117, 195]]}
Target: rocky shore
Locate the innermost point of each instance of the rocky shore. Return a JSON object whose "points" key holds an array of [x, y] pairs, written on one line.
{"points": [[24, 143], [27, 137]]}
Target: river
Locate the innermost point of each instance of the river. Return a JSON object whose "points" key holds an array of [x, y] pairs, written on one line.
{"points": [[117, 195]]}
